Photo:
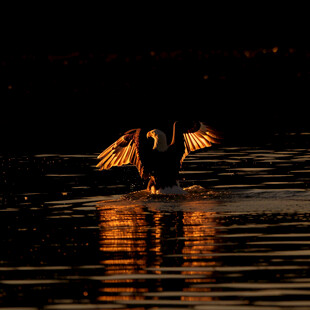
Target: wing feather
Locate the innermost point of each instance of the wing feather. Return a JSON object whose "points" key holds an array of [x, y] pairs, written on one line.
{"points": [[198, 138], [132, 156], [115, 155], [195, 141], [202, 141], [126, 150], [124, 158]]}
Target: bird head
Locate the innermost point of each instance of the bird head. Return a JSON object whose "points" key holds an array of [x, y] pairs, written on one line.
{"points": [[152, 134], [160, 141]]}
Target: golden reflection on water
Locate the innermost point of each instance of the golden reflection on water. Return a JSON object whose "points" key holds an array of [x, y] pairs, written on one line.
{"points": [[127, 230], [199, 233], [133, 240]]}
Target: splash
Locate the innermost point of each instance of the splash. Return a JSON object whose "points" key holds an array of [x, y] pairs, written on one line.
{"points": [[195, 192]]}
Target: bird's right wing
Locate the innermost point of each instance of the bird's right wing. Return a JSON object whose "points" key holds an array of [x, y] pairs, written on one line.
{"points": [[129, 149], [198, 136]]}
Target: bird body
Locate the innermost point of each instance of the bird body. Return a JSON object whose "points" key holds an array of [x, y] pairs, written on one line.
{"points": [[154, 158]]}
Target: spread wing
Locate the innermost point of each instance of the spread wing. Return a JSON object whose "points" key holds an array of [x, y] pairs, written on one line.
{"points": [[131, 148], [197, 135]]}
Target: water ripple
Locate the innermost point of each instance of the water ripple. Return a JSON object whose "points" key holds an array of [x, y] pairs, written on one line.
{"points": [[240, 239]]}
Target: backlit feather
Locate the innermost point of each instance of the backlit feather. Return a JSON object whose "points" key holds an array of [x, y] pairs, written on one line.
{"points": [[200, 139]]}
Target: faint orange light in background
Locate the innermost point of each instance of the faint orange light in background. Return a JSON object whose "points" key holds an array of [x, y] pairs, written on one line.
{"points": [[275, 49], [247, 54]]}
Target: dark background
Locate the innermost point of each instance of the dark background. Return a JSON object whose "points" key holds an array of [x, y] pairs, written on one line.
{"points": [[79, 99]]}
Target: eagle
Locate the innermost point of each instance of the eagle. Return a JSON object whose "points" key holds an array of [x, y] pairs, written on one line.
{"points": [[155, 159]]}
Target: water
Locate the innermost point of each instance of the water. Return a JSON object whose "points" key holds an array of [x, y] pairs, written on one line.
{"points": [[70, 240]]}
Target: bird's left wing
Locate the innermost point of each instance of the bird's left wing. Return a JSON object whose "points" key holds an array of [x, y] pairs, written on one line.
{"points": [[197, 135], [126, 150]]}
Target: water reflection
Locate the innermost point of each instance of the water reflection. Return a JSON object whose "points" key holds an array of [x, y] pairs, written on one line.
{"points": [[241, 244], [163, 255], [137, 241]]}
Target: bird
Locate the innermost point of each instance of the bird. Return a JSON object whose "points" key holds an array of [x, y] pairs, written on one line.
{"points": [[156, 160]]}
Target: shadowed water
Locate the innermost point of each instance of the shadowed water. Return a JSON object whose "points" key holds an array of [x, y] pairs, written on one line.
{"points": [[73, 238]]}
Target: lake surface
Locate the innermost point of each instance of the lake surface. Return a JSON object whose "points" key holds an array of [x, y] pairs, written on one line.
{"points": [[70, 240]]}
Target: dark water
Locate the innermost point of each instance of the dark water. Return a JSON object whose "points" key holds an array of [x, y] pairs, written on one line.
{"points": [[69, 241]]}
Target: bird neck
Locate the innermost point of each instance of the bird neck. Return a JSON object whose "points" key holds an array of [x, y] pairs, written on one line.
{"points": [[160, 143]]}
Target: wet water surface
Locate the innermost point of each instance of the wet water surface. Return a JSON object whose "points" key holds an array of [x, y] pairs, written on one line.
{"points": [[70, 240]]}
